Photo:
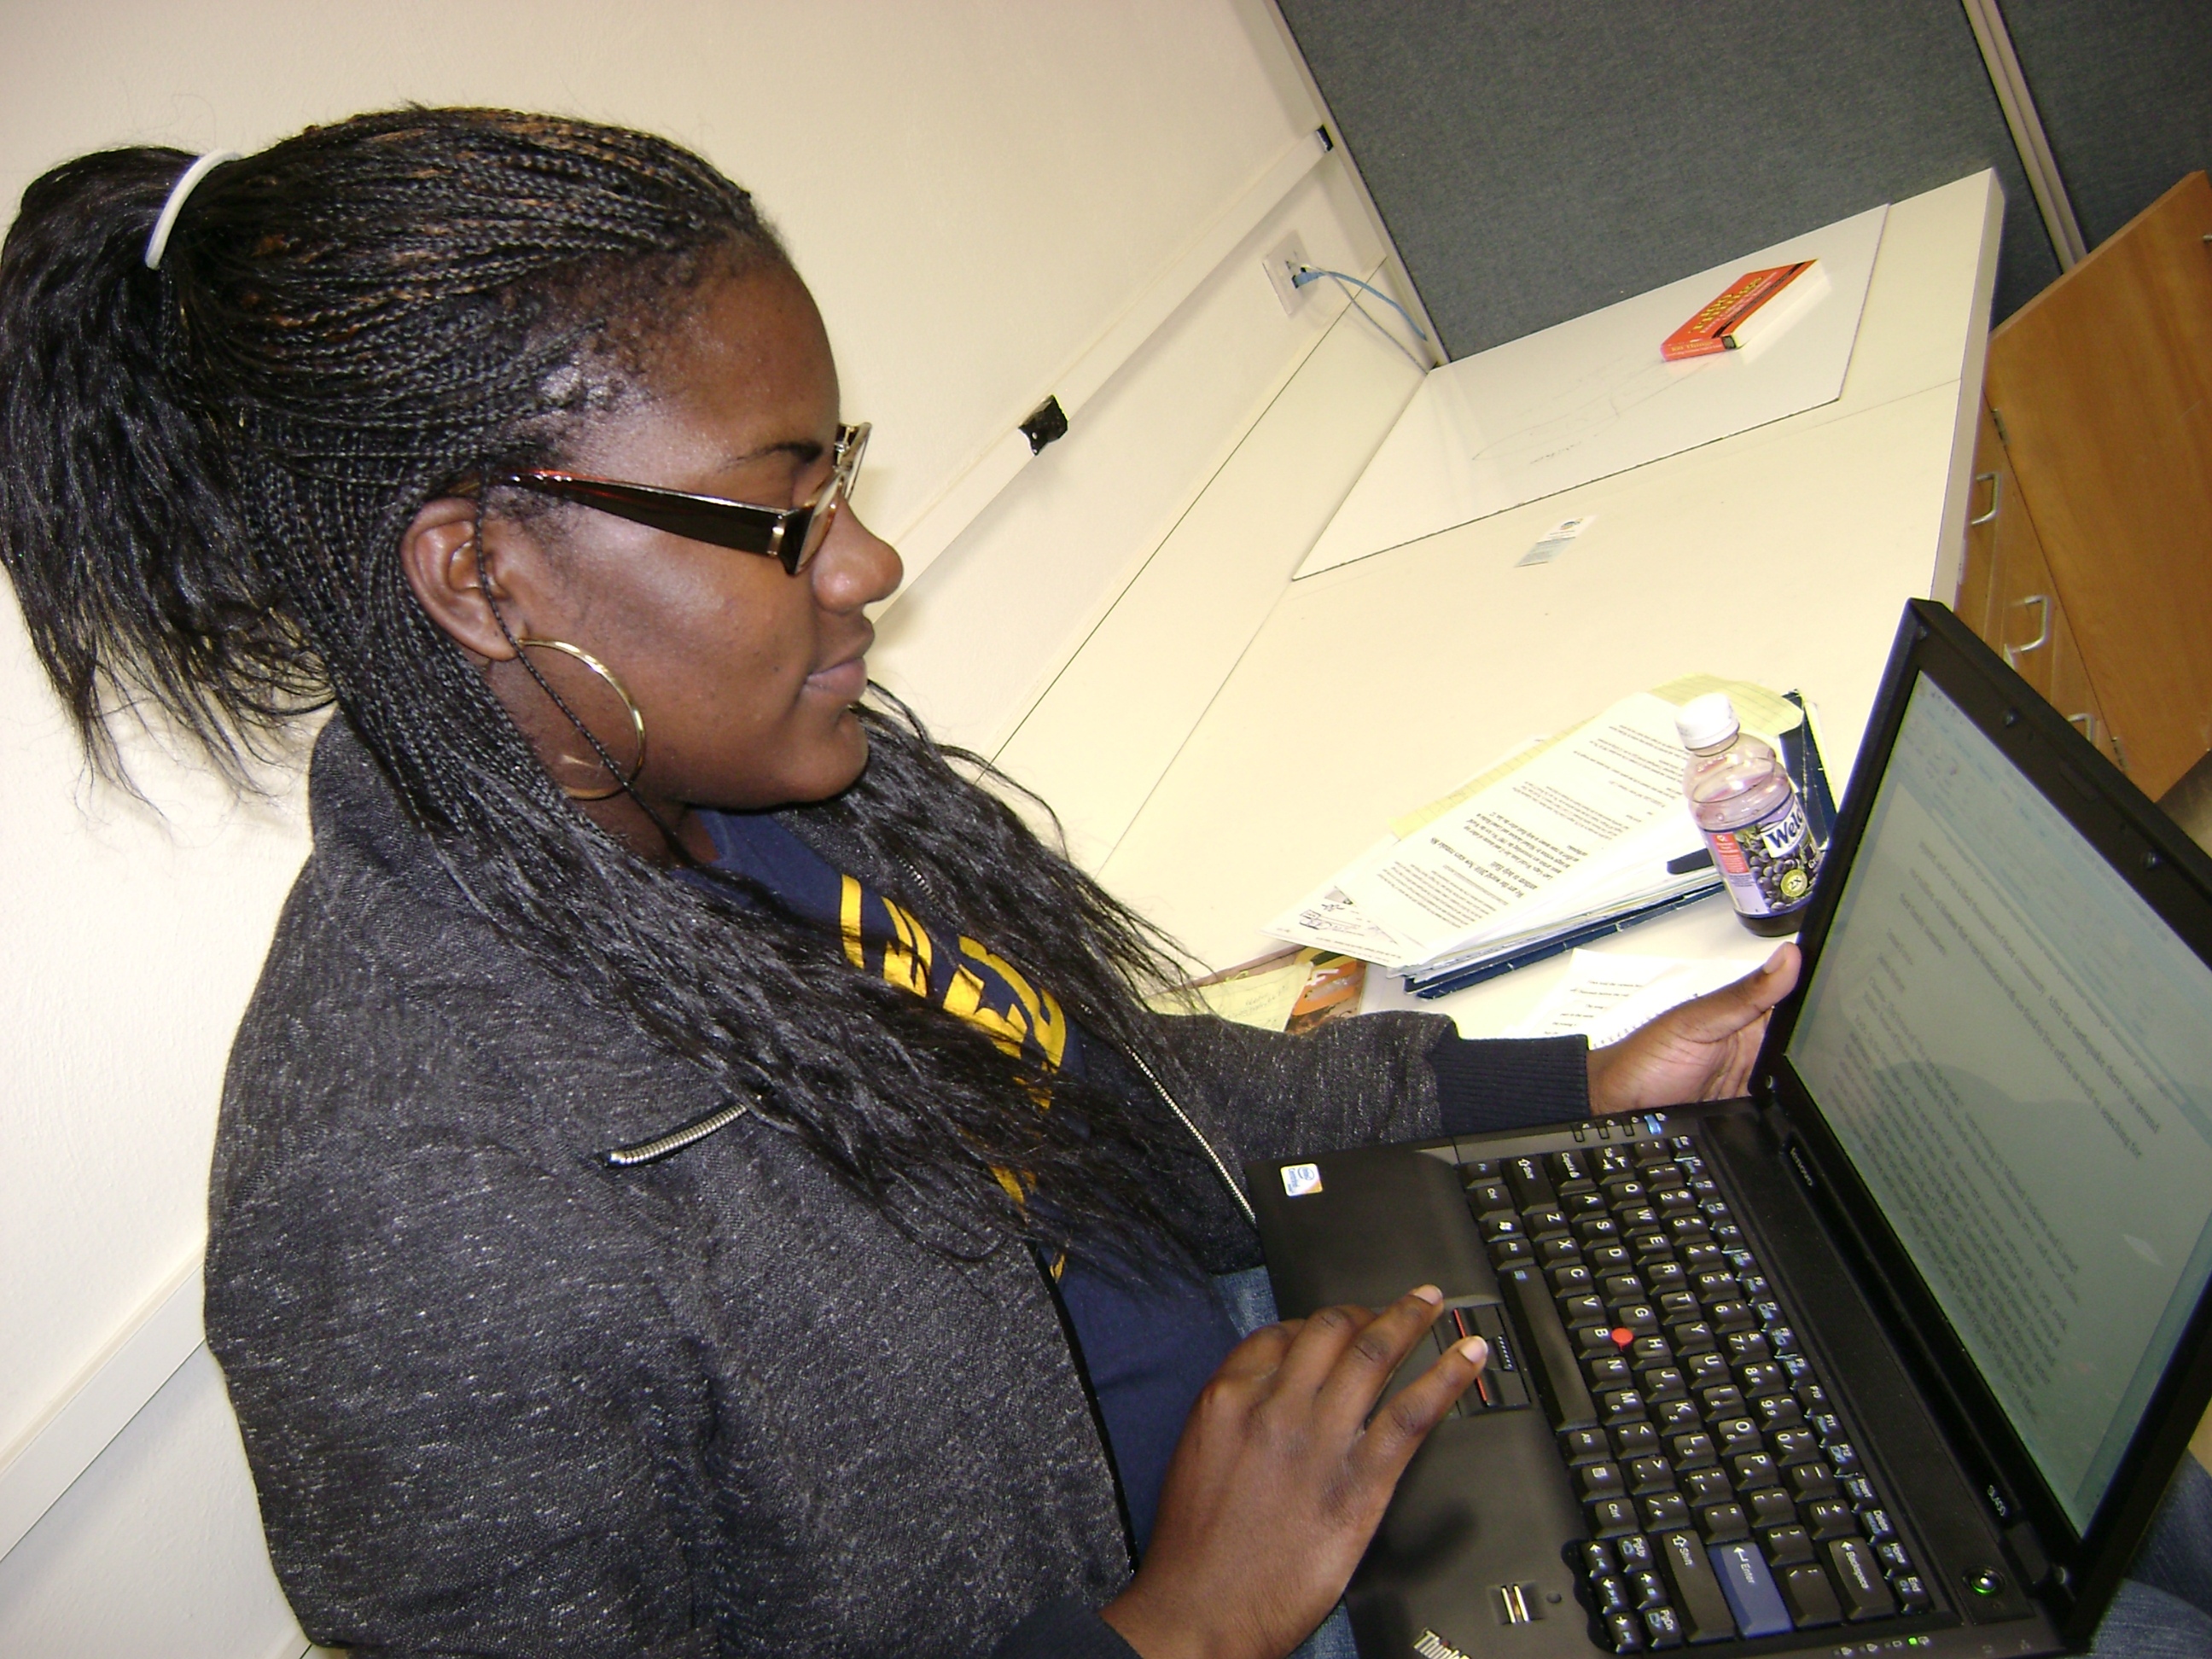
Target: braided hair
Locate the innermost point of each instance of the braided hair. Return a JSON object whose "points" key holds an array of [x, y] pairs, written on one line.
{"points": [[210, 466]]}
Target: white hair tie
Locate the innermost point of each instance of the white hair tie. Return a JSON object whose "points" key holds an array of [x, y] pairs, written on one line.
{"points": [[158, 243]]}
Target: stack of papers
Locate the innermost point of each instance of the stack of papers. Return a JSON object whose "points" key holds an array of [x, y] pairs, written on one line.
{"points": [[1561, 840], [1604, 998]]}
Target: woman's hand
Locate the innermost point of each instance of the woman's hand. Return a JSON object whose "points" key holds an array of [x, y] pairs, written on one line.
{"points": [[1702, 1050], [1279, 1480]]}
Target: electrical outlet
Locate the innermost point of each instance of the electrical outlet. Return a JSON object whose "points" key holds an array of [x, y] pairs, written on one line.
{"points": [[1283, 261]]}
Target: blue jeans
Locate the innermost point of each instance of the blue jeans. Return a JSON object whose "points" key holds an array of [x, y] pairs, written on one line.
{"points": [[2164, 1609]]}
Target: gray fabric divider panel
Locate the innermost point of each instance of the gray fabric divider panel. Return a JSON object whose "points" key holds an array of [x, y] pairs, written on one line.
{"points": [[1534, 163], [2125, 94]]}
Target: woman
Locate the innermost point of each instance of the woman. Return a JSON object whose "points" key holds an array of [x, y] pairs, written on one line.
{"points": [[695, 1175]]}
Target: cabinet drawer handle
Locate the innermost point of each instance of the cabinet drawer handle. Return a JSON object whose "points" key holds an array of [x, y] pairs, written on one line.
{"points": [[2013, 653], [2086, 722], [1997, 489]]}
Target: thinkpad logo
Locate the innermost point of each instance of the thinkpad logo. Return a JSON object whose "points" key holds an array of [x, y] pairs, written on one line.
{"points": [[1430, 1645]]}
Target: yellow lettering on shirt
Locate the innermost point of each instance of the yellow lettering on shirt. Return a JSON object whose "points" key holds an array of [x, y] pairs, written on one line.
{"points": [[848, 922], [964, 1000], [906, 965], [1045, 1018]]}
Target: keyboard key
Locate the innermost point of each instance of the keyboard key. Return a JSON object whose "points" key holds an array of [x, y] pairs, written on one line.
{"points": [[1877, 1526], [1649, 1474], [1597, 1558], [1663, 1628], [1675, 1416], [1497, 1227], [1706, 1486], [1843, 1458], [1620, 1405], [1621, 1189], [1752, 1470], [1585, 1446], [1583, 1309], [1771, 1507], [1667, 1278], [1858, 1585], [1664, 1509], [1791, 1447], [1635, 1554], [1727, 1401], [1687, 1229], [1570, 1278], [1607, 1259], [1756, 1289], [1786, 1545], [1611, 1517], [1696, 1594], [1750, 1589], [1811, 1481], [1622, 1287], [1798, 1369], [1485, 1170], [1828, 1518], [1595, 1339], [1858, 1492], [1912, 1594], [1559, 1253], [1690, 1336], [1781, 1338], [1532, 1188], [1664, 1382], [1639, 1317], [1578, 1204], [1607, 1370], [1635, 1440], [1716, 1209], [1808, 1595], [1595, 1480], [1724, 1523], [1894, 1559], [1736, 1435], [1705, 1371], [1694, 1451], [1672, 1200], [1761, 1378], [1612, 1597], [1489, 1198], [1649, 1351], [1506, 1251], [1717, 1285], [1779, 1411], [1545, 1223], [1727, 1235], [1743, 1347], [1597, 1229], [1699, 1255], [1636, 1217], [1570, 1172], [1625, 1631], [1648, 1589]]}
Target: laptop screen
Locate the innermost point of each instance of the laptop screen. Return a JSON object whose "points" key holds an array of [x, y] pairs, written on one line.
{"points": [[2015, 1052]]}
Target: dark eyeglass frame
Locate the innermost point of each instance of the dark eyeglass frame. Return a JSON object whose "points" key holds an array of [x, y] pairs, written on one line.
{"points": [[790, 535]]}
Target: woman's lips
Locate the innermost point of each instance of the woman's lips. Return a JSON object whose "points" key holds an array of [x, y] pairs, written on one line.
{"points": [[844, 681]]}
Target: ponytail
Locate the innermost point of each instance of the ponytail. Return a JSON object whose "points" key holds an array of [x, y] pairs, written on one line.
{"points": [[118, 501]]}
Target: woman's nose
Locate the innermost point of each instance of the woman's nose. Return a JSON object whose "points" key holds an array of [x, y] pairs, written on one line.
{"points": [[855, 566]]}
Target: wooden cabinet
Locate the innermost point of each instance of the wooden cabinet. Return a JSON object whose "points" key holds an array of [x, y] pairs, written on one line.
{"points": [[2090, 560]]}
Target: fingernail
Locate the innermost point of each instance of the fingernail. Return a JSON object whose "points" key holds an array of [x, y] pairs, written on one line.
{"points": [[1474, 1350], [1774, 961], [1429, 1294]]}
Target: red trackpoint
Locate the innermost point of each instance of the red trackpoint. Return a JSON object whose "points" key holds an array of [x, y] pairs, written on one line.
{"points": [[1622, 1336]]}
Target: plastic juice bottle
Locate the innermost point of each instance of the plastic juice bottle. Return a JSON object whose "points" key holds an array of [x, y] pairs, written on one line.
{"points": [[1743, 800]]}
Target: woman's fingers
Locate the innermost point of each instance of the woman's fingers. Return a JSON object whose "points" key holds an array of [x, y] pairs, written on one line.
{"points": [[1328, 1335], [1400, 1427], [1261, 1352], [1372, 1357]]}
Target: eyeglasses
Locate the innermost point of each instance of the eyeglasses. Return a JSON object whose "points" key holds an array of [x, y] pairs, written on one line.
{"points": [[791, 535]]}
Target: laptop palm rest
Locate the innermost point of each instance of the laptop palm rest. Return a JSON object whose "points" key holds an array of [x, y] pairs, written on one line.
{"points": [[1471, 1557]]}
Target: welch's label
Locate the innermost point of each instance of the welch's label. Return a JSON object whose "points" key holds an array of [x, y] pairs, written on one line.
{"points": [[1769, 864]]}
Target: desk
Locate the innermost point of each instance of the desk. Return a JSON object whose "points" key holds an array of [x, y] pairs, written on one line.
{"points": [[1781, 555]]}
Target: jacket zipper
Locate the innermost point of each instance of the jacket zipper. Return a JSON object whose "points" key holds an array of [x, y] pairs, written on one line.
{"points": [[1151, 1077]]}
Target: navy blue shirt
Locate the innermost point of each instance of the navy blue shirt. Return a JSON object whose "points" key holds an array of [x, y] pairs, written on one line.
{"points": [[1148, 1344]]}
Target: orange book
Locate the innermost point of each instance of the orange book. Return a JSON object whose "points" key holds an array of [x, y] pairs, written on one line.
{"points": [[1775, 297]]}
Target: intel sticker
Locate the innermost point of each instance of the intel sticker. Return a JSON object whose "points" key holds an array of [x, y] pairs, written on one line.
{"points": [[1300, 1179]]}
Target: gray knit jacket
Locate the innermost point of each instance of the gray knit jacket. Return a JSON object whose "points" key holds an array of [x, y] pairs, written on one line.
{"points": [[501, 1398]]}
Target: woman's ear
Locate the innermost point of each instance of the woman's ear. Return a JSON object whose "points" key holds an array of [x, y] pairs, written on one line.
{"points": [[438, 554]]}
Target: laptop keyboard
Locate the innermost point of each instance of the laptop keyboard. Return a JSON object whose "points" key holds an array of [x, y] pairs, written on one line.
{"points": [[1724, 1497]]}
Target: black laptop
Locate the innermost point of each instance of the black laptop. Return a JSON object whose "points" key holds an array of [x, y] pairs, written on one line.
{"points": [[1896, 1356]]}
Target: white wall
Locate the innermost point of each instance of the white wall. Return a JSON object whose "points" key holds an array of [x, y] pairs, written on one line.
{"points": [[975, 191]]}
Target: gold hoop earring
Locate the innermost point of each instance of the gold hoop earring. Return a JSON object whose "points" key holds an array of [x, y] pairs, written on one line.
{"points": [[636, 718]]}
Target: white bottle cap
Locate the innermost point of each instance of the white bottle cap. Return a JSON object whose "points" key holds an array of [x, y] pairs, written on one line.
{"points": [[1706, 722]]}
